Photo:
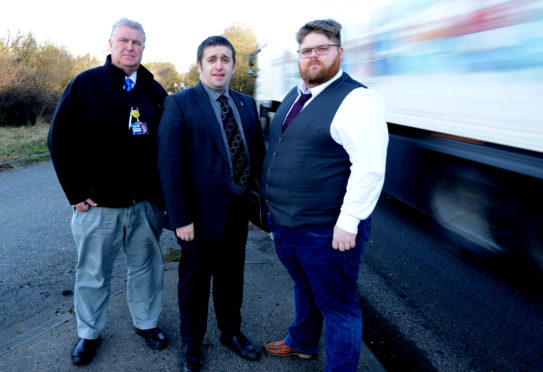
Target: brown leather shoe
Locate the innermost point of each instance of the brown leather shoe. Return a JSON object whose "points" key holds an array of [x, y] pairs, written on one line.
{"points": [[279, 348]]}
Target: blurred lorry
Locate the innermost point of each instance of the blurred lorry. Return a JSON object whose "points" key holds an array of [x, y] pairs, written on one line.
{"points": [[463, 86]]}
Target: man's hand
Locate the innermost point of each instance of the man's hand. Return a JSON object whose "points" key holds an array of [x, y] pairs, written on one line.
{"points": [[85, 205], [185, 233], [343, 240]]}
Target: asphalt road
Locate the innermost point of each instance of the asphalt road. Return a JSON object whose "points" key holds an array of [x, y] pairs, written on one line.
{"points": [[428, 308], [37, 330], [425, 307], [38, 255]]}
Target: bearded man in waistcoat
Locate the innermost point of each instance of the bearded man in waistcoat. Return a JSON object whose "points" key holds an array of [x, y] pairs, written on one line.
{"points": [[322, 177]]}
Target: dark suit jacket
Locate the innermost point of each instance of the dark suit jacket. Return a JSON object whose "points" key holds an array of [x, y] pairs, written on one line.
{"points": [[193, 160]]}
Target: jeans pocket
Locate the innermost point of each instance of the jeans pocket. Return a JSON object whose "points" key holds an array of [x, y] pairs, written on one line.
{"points": [[319, 231]]}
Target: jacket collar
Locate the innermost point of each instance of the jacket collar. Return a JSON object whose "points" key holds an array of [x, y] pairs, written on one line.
{"points": [[117, 75], [202, 101]]}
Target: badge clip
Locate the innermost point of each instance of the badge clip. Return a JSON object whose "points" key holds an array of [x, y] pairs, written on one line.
{"points": [[138, 127]]}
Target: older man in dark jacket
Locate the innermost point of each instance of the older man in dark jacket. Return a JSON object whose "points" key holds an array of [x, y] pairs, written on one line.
{"points": [[102, 142]]}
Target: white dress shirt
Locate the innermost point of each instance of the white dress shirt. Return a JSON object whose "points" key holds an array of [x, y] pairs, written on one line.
{"points": [[359, 126]]}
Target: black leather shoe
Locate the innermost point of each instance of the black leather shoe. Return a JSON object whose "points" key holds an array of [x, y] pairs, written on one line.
{"points": [[241, 346], [191, 359], [154, 338], [84, 351]]}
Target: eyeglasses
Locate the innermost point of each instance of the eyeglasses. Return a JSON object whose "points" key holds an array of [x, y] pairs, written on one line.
{"points": [[320, 50]]}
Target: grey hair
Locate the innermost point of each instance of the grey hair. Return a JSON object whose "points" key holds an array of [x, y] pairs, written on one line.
{"points": [[327, 27], [127, 22]]}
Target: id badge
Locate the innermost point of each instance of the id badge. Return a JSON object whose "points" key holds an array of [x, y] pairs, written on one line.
{"points": [[139, 128]]}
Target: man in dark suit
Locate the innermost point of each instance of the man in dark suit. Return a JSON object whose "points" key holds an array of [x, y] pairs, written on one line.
{"points": [[210, 146]]}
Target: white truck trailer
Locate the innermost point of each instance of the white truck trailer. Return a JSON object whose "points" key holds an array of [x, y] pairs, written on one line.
{"points": [[463, 86]]}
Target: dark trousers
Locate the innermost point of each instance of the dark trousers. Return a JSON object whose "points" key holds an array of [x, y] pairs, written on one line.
{"points": [[223, 259]]}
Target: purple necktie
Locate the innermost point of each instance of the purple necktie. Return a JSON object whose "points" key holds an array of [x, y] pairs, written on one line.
{"points": [[296, 109]]}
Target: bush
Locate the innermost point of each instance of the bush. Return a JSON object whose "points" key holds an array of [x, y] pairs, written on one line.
{"points": [[32, 78]]}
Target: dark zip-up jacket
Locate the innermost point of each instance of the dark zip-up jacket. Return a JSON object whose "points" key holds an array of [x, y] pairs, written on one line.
{"points": [[94, 152]]}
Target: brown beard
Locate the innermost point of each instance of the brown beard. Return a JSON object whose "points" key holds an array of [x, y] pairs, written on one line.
{"points": [[321, 76]]}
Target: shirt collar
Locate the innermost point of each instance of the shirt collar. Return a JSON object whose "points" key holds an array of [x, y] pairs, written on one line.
{"points": [[134, 77], [213, 94], [315, 91]]}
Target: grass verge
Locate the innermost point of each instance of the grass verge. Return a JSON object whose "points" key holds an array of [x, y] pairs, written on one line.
{"points": [[28, 143]]}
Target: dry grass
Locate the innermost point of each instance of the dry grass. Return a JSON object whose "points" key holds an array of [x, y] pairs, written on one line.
{"points": [[22, 142], [172, 255]]}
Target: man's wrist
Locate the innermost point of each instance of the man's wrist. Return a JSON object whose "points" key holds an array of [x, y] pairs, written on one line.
{"points": [[348, 223]]}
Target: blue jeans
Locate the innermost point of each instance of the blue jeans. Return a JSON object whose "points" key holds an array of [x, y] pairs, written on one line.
{"points": [[325, 282]]}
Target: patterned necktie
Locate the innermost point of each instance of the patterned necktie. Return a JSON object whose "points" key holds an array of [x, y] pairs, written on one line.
{"points": [[128, 84], [240, 162], [296, 109]]}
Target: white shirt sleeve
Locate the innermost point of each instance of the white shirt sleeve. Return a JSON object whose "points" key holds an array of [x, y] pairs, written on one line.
{"points": [[360, 127]]}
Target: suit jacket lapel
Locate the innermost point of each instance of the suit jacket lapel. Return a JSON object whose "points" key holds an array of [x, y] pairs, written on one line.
{"points": [[246, 121], [242, 111], [201, 100]]}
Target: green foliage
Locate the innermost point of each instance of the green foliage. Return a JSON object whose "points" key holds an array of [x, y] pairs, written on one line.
{"points": [[166, 74], [32, 78], [191, 78], [244, 41]]}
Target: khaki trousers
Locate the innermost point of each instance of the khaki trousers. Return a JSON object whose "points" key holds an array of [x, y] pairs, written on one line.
{"points": [[99, 234]]}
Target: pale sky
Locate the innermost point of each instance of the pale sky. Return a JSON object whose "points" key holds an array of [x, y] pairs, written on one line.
{"points": [[174, 29]]}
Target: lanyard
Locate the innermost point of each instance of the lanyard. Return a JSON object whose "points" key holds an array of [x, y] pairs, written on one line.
{"points": [[134, 113]]}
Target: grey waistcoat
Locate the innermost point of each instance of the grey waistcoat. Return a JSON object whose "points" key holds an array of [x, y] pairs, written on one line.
{"points": [[305, 171]]}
